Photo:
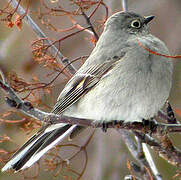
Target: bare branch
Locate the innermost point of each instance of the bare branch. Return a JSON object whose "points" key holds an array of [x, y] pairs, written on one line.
{"points": [[17, 102], [165, 149], [140, 156], [151, 162], [91, 26], [125, 5], [53, 50], [130, 177], [144, 151]]}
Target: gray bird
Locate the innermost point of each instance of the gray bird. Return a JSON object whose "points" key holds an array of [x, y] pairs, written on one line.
{"points": [[119, 81]]}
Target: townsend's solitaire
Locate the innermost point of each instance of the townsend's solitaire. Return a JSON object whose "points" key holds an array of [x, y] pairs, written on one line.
{"points": [[119, 81]]}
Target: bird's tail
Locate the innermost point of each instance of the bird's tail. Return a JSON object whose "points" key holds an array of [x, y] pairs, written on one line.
{"points": [[38, 145]]}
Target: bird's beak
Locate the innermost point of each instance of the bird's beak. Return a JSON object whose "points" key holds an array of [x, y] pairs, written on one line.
{"points": [[148, 19]]}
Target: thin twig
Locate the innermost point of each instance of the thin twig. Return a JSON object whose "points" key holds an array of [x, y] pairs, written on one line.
{"points": [[44, 85], [131, 177], [90, 25], [136, 153], [168, 152], [53, 50], [125, 5], [126, 136], [151, 162], [21, 105], [144, 151]]}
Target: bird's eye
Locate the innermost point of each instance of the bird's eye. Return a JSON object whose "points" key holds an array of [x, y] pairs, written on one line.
{"points": [[136, 24]]}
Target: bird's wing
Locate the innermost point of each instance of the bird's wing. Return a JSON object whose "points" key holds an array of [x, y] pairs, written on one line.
{"points": [[81, 83]]}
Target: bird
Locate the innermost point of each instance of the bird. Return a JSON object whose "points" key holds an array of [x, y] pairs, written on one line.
{"points": [[120, 80]]}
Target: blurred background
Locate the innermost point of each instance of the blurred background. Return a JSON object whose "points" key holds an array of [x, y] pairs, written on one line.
{"points": [[107, 154]]}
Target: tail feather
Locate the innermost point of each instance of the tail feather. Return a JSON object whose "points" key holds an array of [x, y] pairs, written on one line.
{"points": [[53, 137], [37, 156], [22, 151], [27, 155], [38, 145]]}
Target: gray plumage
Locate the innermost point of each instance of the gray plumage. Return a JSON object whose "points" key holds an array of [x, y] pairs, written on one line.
{"points": [[119, 81], [138, 84]]}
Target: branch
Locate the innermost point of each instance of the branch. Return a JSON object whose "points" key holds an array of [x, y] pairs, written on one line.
{"points": [[126, 137], [90, 25], [19, 104], [164, 148], [170, 118], [130, 177], [146, 155], [147, 167], [125, 5], [53, 50], [26, 107], [151, 162]]}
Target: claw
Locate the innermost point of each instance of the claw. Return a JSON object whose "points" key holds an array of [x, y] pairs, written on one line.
{"points": [[104, 127]]}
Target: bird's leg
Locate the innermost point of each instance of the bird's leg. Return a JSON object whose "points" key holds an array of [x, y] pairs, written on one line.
{"points": [[104, 126], [150, 125]]}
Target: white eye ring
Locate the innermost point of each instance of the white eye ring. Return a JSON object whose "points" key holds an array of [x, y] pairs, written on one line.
{"points": [[136, 24]]}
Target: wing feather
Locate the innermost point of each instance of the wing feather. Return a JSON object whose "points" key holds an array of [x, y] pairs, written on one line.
{"points": [[80, 84]]}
